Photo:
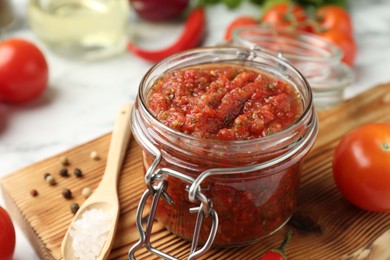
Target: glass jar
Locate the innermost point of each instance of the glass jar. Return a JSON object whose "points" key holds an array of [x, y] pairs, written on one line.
{"points": [[319, 60], [81, 29], [251, 184]]}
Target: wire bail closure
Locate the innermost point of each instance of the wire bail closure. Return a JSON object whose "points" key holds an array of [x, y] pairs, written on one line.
{"points": [[155, 179], [156, 187]]}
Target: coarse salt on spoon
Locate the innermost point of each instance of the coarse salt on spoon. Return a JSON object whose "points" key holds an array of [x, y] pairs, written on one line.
{"points": [[96, 220]]}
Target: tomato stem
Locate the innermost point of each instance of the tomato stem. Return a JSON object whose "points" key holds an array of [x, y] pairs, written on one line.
{"points": [[285, 241], [385, 147]]}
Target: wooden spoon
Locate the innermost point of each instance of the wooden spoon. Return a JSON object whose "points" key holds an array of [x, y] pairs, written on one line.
{"points": [[105, 196]]}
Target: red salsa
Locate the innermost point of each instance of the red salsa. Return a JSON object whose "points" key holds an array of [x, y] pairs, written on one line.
{"points": [[227, 102], [224, 102]]}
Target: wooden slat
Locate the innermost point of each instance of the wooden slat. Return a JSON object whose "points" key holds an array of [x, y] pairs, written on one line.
{"points": [[342, 231]]}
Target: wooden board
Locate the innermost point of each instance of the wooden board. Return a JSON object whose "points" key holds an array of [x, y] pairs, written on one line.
{"points": [[329, 227]]}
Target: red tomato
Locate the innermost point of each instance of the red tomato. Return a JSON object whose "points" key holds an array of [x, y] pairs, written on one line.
{"points": [[345, 42], [7, 236], [272, 255], [23, 71], [361, 167], [285, 15], [332, 17], [240, 21]]}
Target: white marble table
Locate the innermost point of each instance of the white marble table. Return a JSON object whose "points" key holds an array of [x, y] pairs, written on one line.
{"points": [[83, 98]]}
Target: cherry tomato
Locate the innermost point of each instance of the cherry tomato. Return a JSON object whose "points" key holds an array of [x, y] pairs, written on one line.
{"points": [[334, 23], [332, 17], [278, 253], [285, 15], [7, 236], [273, 255], [361, 167], [240, 21], [23, 71], [345, 42]]}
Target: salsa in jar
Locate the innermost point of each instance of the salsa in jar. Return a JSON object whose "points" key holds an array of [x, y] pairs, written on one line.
{"points": [[249, 114], [225, 102]]}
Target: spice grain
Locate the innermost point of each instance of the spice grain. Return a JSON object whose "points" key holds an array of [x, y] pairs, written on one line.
{"points": [[94, 155], [74, 207], [46, 175], [64, 161], [67, 194], [64, 172], [50, 179], [34, 193], [86, 192], [77, 172]]}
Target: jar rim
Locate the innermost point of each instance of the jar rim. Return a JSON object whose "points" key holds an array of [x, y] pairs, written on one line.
{"points": [[322, 50], [208, 52]]}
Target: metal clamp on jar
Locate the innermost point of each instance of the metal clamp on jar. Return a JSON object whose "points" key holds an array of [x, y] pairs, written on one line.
{"points": [[220, 192]]}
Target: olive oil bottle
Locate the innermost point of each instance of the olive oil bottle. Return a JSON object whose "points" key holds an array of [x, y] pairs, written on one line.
{"points": [[86, 29]]}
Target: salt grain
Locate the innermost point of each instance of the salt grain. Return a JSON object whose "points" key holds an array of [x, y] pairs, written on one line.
{"points": [[94, 155], [86, 192], [89, 233]]}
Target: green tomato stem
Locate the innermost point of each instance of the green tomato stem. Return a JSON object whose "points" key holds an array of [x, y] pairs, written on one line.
{"points": [[285, 241], [385, 147]]}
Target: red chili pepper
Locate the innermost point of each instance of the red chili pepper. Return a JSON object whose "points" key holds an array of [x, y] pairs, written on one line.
{"points": [[191, 37], [278, 253]]}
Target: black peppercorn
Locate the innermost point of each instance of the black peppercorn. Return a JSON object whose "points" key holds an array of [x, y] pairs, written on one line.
{"points": [[74, 207], [67, 193], [64, 172], [77, 172]]}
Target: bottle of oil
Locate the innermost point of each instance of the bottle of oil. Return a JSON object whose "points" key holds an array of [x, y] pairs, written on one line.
{"points": [[6, 15], [86, 29]]}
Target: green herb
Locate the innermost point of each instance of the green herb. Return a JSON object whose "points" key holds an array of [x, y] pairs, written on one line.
{"points": [[271, 86], [227, 119]]}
